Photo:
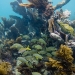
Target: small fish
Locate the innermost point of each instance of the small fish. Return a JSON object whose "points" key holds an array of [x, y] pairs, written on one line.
{"points": [[24, 49], [55, 36], [28, 48]]}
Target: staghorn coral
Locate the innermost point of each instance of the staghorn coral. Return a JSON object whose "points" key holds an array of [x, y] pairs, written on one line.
{"points": [[64, 64], [5, 68]]}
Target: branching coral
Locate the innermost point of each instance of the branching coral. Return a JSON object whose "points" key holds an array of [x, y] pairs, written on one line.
{"points": [[44, 6], [64, 65], [39, 4], [59, 5], [5, 68]]}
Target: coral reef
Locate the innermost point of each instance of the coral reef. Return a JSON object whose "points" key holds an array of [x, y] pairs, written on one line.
{"points": [[25, 22], [64, 64], [44, 6], [29, 40]]}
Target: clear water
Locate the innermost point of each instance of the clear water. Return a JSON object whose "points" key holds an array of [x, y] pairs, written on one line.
{"points": [[6, 10]]}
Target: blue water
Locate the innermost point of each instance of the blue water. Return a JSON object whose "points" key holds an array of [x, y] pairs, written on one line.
{"points": [[6, 9], [70, 6]]}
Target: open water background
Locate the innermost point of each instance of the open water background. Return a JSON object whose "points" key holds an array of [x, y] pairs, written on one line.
{"points": [[6, 9]]}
